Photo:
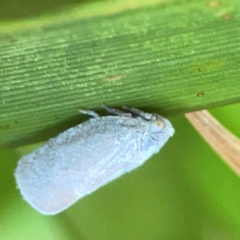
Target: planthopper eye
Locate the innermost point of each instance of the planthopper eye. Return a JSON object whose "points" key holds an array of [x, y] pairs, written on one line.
{"points": [[160, 123]]}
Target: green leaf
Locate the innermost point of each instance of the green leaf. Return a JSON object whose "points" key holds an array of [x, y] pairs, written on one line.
{"points": [[169, 57]]}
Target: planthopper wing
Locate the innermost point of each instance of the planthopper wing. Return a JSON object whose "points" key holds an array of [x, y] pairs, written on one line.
{"points": [[76, 163]]}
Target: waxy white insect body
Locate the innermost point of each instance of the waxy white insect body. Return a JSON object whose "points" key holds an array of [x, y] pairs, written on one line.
{"points": [[88, 156]]}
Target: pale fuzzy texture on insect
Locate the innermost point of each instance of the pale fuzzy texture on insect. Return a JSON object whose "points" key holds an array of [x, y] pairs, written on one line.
{"points": [[85, 157]]}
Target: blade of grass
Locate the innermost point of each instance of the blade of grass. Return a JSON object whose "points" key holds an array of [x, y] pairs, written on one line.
{"points": [[50, 66], [226, 144]]}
